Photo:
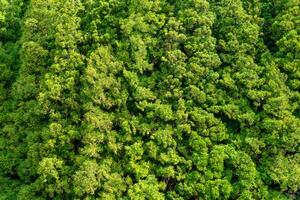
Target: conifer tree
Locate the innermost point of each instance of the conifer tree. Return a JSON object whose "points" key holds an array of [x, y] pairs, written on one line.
{"points": [[149, 99]]}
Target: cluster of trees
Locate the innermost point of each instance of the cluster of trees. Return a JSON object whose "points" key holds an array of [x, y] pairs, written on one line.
{"points": [[149, 99]]}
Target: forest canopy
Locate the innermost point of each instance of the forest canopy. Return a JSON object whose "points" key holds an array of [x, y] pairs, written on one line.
{"points": [[149, 99]]}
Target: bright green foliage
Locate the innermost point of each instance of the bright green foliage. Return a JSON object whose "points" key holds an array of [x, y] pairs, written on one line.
{"points": [[149, 99], [286, 27]]}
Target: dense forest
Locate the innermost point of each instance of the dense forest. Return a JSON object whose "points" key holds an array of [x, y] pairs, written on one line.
{"points": [[149, 99]]}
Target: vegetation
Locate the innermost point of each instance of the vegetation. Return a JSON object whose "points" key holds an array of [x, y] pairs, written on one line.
{"points": [[149, 99]]}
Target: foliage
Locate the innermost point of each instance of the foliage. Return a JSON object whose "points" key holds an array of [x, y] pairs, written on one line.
{"points": [[149, 99]]}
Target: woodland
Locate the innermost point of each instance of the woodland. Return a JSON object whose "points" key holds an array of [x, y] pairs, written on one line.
{"points": [[149, 99]]}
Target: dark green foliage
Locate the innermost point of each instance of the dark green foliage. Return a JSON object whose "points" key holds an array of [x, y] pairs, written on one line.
{"points": [[149, 99]]}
